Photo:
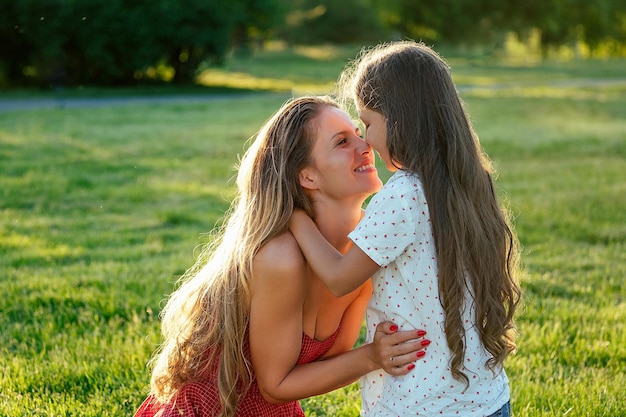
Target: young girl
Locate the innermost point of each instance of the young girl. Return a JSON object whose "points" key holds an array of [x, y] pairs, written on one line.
{"points": [[251, 329], [442, 255]]}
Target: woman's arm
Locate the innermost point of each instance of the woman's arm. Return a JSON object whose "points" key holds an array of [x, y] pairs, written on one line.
{"points": [[278, 294], [342, 274]]}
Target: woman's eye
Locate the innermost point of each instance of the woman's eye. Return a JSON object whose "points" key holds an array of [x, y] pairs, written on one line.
{"points": [[342, 141]]}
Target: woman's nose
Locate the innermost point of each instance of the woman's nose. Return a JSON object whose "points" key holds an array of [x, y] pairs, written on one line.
{"points": [[363, 147]]}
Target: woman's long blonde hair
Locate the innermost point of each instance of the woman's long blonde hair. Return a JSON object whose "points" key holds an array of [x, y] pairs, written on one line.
{"points": [[429, 133], [205, 321]]}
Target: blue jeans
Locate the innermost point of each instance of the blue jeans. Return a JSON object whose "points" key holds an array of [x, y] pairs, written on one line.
{"points": [[505, 411]]}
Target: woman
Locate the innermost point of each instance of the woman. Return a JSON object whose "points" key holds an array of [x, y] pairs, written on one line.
{"points": [[252, 329]]}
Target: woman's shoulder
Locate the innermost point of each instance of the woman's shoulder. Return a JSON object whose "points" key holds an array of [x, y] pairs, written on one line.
{"points": [[279, 267], [281, 253]]}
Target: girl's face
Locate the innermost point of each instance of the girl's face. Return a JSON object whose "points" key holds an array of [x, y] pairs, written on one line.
{"points": [[342, 163], [376, 134]]}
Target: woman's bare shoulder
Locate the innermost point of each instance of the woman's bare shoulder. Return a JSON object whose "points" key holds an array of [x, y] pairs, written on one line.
{"points": [[280, 254]]}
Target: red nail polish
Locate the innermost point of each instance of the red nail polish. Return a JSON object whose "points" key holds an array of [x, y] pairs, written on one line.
{"points": [[425, 342], [421, 333], [421, 354], [411, 366], [393, 327]]}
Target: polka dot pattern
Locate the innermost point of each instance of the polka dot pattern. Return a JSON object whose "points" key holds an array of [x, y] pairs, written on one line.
{"points": [[396, 233]]}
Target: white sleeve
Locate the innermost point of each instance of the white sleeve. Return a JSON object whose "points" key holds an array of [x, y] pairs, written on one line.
{"points": [[389, 225]]}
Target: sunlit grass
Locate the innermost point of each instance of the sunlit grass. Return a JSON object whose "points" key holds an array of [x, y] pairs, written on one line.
{"points": [[584, 91], [277, 67], [223, 78]]}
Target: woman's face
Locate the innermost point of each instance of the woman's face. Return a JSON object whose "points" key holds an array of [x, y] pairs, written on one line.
{"points": [[342, 163]]}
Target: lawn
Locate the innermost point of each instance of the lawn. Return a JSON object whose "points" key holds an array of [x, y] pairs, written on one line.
{"points": [[103, 208]]}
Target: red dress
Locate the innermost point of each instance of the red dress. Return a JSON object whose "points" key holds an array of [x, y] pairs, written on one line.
{"points": [[201, 399]]}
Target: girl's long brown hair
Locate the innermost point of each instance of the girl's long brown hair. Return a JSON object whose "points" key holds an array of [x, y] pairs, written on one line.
{"points": [[429, 133], [205, 321]]}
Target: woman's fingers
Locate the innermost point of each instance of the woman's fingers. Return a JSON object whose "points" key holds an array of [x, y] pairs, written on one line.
{"points": [[407, 355], [394, 336], [410, 346], [398, 350], [387, 327], [406, 336]]}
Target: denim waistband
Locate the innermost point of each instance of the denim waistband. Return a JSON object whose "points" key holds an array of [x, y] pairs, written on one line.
{"points": [[505, 411]]}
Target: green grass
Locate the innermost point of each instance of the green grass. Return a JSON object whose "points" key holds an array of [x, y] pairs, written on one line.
{"points": [[102, 209]]}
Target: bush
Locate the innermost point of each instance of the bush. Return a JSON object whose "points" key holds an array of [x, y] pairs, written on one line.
{"points": [[321, 21], [116, 42]]}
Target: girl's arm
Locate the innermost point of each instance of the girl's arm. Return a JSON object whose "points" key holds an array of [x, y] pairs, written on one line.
{"points": [[278, 293], [342, 274]]}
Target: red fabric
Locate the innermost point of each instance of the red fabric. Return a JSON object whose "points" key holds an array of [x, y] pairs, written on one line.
{"points": [[201, 399]]}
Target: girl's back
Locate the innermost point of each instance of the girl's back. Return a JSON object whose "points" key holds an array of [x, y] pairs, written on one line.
{"points": [[396, 232]]}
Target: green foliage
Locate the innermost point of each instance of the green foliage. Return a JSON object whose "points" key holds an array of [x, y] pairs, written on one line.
{"points": [[102, 209], [487, 21], [592, 22], [117, 42], [442, 20], [319, 21]]}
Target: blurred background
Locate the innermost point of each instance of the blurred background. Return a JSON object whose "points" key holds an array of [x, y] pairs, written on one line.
{"points": [[64, 43]]}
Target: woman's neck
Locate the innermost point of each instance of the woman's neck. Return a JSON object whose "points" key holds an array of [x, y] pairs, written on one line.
{"points": [[336, 219]]}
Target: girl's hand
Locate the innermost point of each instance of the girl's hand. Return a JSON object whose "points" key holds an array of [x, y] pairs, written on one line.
{"points": [[396, 351]]}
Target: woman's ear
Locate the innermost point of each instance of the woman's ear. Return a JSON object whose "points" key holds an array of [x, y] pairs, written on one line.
{"points": [[308, 179]]}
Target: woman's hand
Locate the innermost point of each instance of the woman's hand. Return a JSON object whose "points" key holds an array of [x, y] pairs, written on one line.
{"points": [[396, 351]]}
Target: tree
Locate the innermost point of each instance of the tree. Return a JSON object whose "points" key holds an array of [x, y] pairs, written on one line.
{"points": [[451, 21], [461, 21], [15, 51], [114, 42], [319, 21], [194, 31]]}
